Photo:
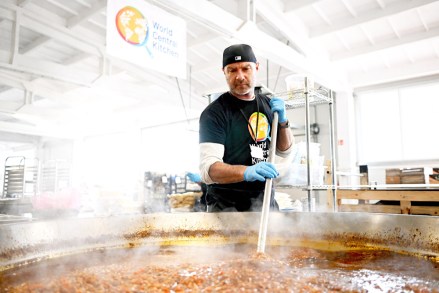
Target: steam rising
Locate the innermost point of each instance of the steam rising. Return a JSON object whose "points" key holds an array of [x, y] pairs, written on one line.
{"points": [[201, 249]]}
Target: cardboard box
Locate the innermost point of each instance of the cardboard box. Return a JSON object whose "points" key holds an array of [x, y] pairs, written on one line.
{"points": [[393, 179], [415, 175], [393, 176], [413, 179]]}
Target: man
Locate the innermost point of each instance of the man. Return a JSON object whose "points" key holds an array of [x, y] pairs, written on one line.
{"points": [[235, 137]]}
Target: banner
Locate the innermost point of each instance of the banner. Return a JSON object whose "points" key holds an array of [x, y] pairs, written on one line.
{"points": [[146, 36]]}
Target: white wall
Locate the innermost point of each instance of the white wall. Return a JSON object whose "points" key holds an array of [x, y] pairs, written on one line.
{"points": [[396, 126]]}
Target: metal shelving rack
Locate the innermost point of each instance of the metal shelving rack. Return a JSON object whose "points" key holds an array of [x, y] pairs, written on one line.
{"points": [[307, 97], [55, 175], [20, 177], [156, 187]]}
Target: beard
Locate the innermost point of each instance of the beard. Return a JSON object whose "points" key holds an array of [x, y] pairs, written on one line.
{"points": [[241, 88]]}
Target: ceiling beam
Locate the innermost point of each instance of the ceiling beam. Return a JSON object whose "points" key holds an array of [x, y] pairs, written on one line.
{"points": [[70, 23], [205, 13], [396, 42], [61, 5], [83, 3], [292, 29], [23, 3], [56, 132], [202, 40], [9, 107], [408, 71], [398, 83], [35, 44], [7, 79], [76, 58], [4, 88], [366, 16], [86, 13], [47, 88], [35, 66], [349, 8], [291, 6], [7, 14], [278, 52], [217, 19], [296, 33], [59, 33], [17, 138]]}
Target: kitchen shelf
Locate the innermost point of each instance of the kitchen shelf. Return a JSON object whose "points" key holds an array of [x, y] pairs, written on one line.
{"points": [[20, 177], [55, 175], [297, 98], [306, 187], [304, 98]]}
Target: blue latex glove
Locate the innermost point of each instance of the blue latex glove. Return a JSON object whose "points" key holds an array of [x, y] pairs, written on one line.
{"points": [[194, 177], [260, 172], [278, 105]]}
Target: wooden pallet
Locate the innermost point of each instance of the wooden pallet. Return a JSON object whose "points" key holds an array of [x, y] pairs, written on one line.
{"points": [[408, 201]]}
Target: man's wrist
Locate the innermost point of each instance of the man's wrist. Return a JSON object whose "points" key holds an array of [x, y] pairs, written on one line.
{"points": [[285, 124]]}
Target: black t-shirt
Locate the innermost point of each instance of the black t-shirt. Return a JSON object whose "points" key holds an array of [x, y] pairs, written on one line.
{"points": [[227, 121]]}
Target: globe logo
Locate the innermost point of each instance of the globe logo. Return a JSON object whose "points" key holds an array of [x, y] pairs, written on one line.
{"points": [[263, 129], [132, 26]]}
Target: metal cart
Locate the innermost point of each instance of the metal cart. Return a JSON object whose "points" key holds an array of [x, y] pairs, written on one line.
{"points": [[20, 177]]}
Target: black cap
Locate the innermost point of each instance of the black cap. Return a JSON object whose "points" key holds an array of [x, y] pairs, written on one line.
{"points": [[238, 53]]}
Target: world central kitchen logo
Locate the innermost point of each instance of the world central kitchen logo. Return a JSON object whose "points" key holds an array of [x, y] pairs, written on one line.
{"points": [[133, 27]]}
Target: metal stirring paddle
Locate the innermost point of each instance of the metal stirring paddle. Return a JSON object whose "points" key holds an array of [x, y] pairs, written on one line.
{"points": [[267, 192]]}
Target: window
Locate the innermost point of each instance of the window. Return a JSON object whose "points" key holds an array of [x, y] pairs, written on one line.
{"points": [[398, 124]]}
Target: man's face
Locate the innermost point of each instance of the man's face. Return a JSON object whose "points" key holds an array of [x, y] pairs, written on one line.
{"points": [[241, 77]]}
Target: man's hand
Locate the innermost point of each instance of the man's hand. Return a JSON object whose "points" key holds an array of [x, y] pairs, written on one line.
{"points": [[194, 177], [278, 105], [260, 172]]}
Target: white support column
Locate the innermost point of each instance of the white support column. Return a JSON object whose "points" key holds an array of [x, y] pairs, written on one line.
{"points": [[346, 136], [29, 97], [15, 36], [247, 10], [251, 10]]}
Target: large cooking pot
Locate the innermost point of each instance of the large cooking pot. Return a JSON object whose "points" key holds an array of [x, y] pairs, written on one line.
{"points": [[26, 242]]}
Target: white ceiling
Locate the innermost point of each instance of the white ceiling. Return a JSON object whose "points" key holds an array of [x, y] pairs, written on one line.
{"points": [[57, 80]]}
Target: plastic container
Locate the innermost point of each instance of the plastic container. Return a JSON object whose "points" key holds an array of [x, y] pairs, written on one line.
{"points": [[286, 203], [296, 174], [296, 82]]}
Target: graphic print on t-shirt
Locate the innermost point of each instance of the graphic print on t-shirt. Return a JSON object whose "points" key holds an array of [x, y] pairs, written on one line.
{"points": [[263, 127]]}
